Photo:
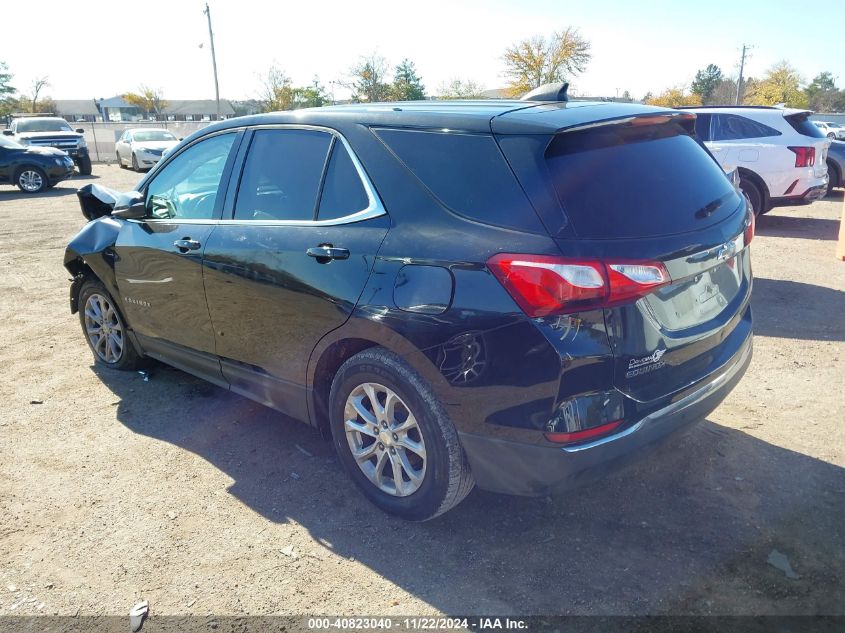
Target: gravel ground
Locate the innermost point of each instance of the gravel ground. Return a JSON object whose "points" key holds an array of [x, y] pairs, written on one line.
{"points": [[113, 489]]}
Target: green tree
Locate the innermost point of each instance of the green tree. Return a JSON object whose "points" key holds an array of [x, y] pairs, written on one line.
{"points": [[461, 89], [538, 60], [279, 93], [148, 100], [781, 84], [822, 93], [368, 79], [407, 85], [6, 90], [706, 82]]}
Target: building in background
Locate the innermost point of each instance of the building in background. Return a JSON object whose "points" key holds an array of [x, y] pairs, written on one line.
{"points": [[116, 109]]}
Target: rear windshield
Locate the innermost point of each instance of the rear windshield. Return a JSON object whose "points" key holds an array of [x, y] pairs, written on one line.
{"points": [[153, 135], [801, 123], [621, 181]]}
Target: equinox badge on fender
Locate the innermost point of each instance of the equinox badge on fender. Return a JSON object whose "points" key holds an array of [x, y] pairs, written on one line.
{"points": [[638, 366]]}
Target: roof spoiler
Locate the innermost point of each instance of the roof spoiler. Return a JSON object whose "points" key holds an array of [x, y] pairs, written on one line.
{"points": [[548, 92]]}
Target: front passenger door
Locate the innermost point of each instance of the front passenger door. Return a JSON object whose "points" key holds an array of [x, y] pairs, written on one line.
{"points": [[159, 258]]}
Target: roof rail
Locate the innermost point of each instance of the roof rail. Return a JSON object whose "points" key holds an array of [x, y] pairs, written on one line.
{"points": [[22, 115], [548, 92], [752, 107]]}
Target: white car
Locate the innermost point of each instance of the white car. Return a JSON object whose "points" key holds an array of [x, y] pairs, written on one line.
{"points": [[781, 156], [142, 148], [831, 129]]}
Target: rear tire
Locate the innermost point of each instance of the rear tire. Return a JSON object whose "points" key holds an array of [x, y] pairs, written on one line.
{"points": [[85, 166], [753, 195], [415, 440], [105, 329], [833, 177], [31, 179]]}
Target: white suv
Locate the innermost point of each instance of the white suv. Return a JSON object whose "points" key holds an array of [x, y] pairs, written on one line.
{"points": [[831, 129], [780, 154]]}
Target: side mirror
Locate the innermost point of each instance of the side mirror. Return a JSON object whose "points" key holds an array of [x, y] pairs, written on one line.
{"points": [[8, 133], [181, 138], [130, 206], [79, 130]]}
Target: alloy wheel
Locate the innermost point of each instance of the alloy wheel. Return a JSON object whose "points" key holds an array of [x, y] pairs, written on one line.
{"points": [[385, 439], [103, 328], [30, 180]]}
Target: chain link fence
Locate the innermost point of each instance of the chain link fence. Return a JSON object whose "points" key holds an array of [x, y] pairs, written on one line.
{"points": [[101, 137]]}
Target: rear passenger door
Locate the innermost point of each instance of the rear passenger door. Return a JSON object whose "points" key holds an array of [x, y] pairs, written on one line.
{"points": [[288, 262]]}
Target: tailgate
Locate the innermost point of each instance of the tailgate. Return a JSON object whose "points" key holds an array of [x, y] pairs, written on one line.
{"points": [[643, 190]]}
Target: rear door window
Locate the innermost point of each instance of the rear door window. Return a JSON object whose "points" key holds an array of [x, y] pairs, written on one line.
{"points": [[731, 127], [343, 192], [625, 182], [282, 174]]}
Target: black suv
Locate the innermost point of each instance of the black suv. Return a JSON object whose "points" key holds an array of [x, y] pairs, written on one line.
{"points": [[518, 295], [39, 131]]}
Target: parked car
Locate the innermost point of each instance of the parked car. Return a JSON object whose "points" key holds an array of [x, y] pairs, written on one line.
{"points": [[142, 148], [780, 154], [520, 295], [831, 129], [836, 165], [32, 169], [39, 131]]}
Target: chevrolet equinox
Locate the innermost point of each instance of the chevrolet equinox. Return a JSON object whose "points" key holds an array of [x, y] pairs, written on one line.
{"points": [[519, 295]]}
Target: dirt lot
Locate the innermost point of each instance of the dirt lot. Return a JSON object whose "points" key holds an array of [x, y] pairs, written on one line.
{"points": [[113, 489]]}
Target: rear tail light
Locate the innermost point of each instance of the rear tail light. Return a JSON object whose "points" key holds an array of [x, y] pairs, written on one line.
{"points": [[586, 434], [544, 285], [804, 156], [750, 225]]}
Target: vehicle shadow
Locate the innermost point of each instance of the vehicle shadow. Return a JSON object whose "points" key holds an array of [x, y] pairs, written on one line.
{"points": [[783, 304], [17, 194], [687, 531], [789, 226]]}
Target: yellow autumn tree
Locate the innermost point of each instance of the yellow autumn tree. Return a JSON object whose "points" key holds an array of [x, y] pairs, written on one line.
{"points": [[675, 97], [781, 84]]}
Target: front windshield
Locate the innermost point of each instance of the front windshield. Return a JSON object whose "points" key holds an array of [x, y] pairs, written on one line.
{"points": [[153, 135], [833, 125], [9, 143], [43, 125]]}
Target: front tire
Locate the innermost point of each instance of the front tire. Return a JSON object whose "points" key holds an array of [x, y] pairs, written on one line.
{"points": [[85, 166], [394, 438], [31, 179], [135, 166], [105, 329]]}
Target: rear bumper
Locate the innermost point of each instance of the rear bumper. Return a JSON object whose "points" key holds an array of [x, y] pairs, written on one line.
{"points": [[816, 191], [532, 470]]}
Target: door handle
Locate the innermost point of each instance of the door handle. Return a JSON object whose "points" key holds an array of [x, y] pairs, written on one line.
{"points": [[186, 244], [324, 253]]}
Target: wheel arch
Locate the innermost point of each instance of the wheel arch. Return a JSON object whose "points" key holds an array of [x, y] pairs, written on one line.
{"points": [[757, 180], [356, 335]]}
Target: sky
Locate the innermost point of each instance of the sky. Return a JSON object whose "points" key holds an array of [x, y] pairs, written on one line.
{"points": [[640, 46]]}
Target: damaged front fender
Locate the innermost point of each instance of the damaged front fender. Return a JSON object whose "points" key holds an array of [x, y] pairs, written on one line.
{"points": [[91, 252]]}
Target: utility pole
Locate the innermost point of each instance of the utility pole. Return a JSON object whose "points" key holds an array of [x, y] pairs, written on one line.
{"points": [[741, 69], [207, 12]]}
